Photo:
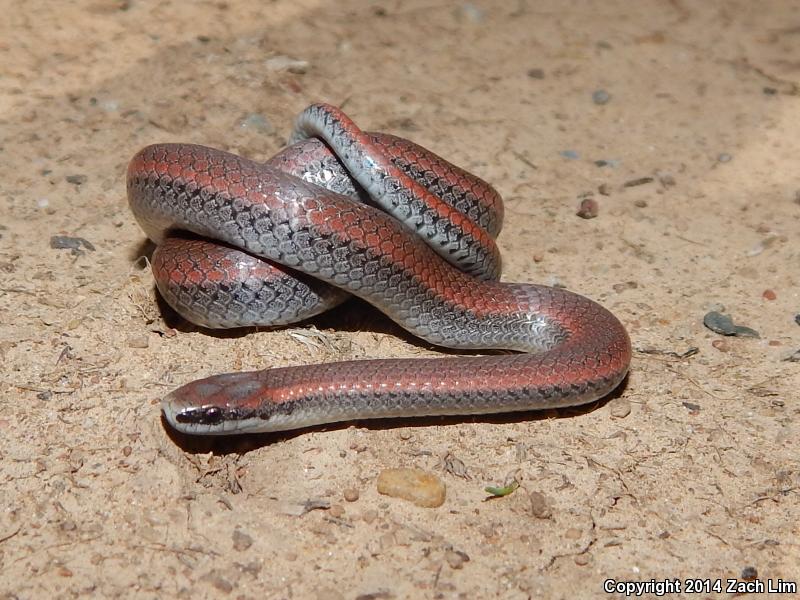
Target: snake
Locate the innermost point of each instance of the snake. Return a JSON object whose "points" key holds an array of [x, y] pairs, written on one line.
{"points": [[342, 212]]}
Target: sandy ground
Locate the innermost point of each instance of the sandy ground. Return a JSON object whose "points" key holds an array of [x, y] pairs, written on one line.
{"points": [[691, 472]]}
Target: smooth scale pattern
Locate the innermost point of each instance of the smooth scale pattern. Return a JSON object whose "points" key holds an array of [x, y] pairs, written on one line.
{"points": [[573, 350]]}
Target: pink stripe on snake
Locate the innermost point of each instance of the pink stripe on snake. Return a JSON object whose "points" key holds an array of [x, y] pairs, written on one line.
{"points": [[385, 220]]}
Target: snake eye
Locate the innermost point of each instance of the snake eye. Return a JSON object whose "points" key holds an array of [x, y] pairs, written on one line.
{"points": [[206, 415]]}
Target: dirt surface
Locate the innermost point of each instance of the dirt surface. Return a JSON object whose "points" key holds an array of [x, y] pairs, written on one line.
{"points": [[692, 471]]}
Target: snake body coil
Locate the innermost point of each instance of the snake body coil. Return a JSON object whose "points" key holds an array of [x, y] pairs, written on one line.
{"points": [[426, 258]]}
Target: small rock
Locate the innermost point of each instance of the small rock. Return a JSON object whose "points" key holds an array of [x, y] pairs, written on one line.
{"points": [[601, 97], [386, 541], [588, 209], [138, 341], [606, 162], [536, 73], [620, 408], [724, 157], [570, 154], [77, 179], [62, 242], [721, 345], [415, 485], [749, 573], [369, 516], [336, 511], [769, 295], [241, 541], [621, 287], [351, 494], [456, 558], [640, 203], [723, 324], [638, 181], [603, 189], [666, 179], [219, 582], [540, 507]]}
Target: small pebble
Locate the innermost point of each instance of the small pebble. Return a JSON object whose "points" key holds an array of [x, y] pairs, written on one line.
{"points": [[769, 295], [351, 494], [386, 541], [620, 408], [219, 582], [138, 341], [621, 287], [603, 162], [65, 242], [77, 179], [241, 541], [797, 318], [637, 182], [604, 190], [536, 73], [601, 97], [588, 209], [723, 324], [666, 179], [640, 203], [693, 408], [570, 154], [724, 157], [721, 345], [540, 507], [336, 511], [415, 485], [369, 516], [456, 558], [749, 573]]}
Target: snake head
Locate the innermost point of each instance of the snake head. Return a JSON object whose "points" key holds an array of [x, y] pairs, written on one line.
{"points": [[222, 404]]}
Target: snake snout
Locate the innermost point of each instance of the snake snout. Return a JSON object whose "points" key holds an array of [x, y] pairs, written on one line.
{"points": [[212, 405]]}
